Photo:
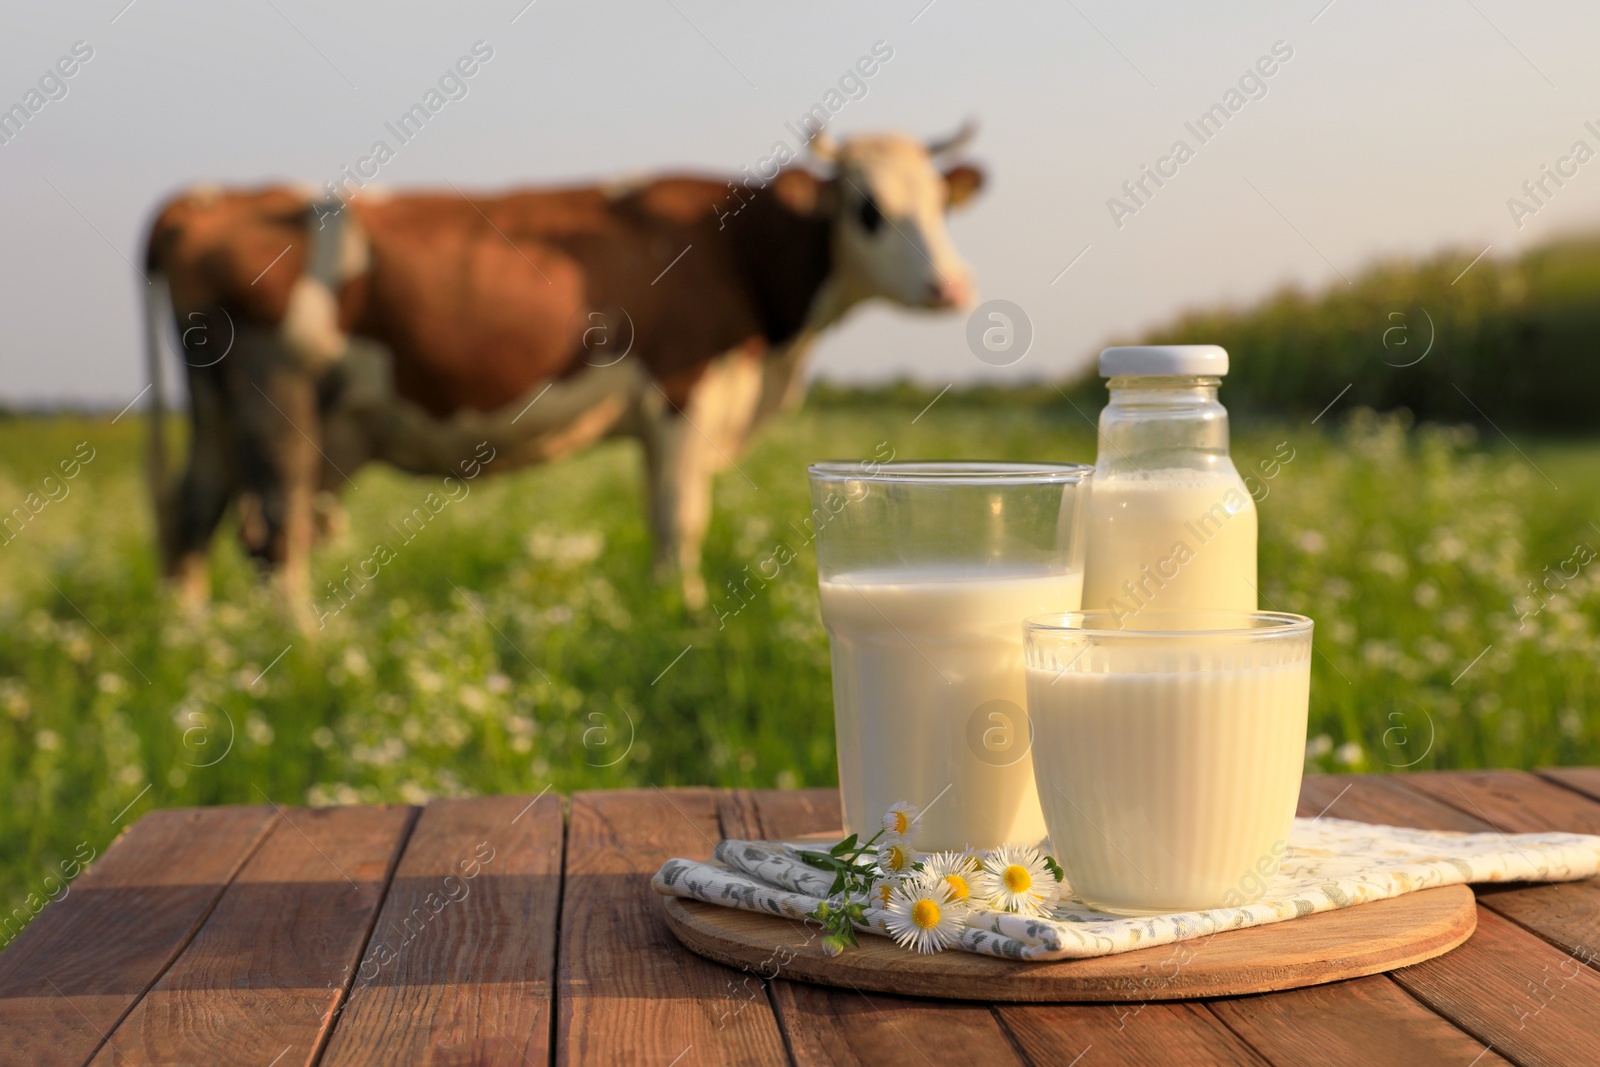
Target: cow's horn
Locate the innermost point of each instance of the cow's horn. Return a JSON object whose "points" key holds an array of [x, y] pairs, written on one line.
{"points": [[957, 141], [823, 146]]}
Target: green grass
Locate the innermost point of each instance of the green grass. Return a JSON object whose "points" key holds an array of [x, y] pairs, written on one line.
{"points": [[1407, 546]]}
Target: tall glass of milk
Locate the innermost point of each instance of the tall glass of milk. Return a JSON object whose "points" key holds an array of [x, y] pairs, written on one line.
{"points": [[1171, 524], [1168, 748], [926, 571]]}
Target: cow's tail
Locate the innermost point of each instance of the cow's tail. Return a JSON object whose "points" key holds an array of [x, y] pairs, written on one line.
{"points": [[157, 312]]}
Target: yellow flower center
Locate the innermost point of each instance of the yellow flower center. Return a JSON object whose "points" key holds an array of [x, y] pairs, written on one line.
{"points": [[900, 822], [1017, 879], [959, 890], [897, 858], [925, 913], [884, 890]]}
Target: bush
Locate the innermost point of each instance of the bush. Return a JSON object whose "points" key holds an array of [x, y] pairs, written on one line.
{"points": [[1513, 341]]}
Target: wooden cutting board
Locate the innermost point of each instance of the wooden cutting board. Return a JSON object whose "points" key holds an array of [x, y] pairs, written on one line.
{"points": [[1325, 947]]}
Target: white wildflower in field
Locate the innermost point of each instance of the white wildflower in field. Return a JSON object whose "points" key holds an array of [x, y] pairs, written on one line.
{"points": [[1336, 589], [355, 662], [14, 698], [1311, 542], [565, 549], [1349, 754], [1571, 722], [1387, 563]]}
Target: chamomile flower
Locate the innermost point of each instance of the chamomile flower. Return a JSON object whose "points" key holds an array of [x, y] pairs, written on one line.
{"points": [[957, 869], [1016, 878], [896, 858], [922, 917], [902, 820], [882, 890]]}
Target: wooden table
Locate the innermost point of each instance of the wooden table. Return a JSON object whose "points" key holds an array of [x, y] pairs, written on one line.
{"points": [[519, 930]]}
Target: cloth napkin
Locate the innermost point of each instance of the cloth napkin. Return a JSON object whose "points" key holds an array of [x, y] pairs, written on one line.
{"points": [[1331, 863]]}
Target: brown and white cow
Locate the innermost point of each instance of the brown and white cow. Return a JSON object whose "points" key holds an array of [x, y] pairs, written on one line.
{"points": [[411, 329]]}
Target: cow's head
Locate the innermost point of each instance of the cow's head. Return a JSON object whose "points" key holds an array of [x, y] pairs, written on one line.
{"points": [[888, 200]]}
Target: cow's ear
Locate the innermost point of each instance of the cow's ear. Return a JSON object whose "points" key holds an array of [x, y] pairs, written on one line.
{"points": [[803, 192], [961, 184]]}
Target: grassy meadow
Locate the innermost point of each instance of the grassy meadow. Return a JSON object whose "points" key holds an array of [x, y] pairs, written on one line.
{"points": [[520, 642]]}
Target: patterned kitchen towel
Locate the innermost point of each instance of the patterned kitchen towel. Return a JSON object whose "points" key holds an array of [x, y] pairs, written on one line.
{"points": [[1331, 863]]}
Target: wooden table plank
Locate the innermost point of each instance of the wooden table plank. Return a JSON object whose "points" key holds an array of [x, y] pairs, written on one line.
{"points": [[264, 974], [461, 963], [1482, 986], [1140, 1035], [792, 812], [1533, 1002], [626, 991], [1510, 800], [69, 977], [1380, 799], [1362, 1021], [1585, 780], [833, 1026]]}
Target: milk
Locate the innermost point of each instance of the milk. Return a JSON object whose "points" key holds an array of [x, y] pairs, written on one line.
{"points": [[929, 700], [1171, 787], [1170, 540]]}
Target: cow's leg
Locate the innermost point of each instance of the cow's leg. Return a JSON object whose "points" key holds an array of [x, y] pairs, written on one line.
{"points": [[280, 461], [330, 523], [345, 447], [686, 445], [696, 465], [204, 489], [679, 490]]}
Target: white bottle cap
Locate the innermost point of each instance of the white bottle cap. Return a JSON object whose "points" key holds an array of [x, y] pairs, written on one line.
{"points": [[1191, 360]]}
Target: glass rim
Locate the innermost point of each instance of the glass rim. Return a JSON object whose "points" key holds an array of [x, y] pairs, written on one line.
{"points": [[1259, 624], [950, 472]]}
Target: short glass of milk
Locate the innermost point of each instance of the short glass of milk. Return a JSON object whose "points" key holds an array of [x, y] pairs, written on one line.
{"points": [[926, 571], [1168, 748]]}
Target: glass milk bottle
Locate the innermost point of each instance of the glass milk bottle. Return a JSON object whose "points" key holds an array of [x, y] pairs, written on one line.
{"points": [[1171, 525]]}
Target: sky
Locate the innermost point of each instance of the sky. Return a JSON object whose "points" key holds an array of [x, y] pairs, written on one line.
{"points": [[1391, 130]]}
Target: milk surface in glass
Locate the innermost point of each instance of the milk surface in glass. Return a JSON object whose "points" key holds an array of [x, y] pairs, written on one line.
{"points": [[929, 697]]}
